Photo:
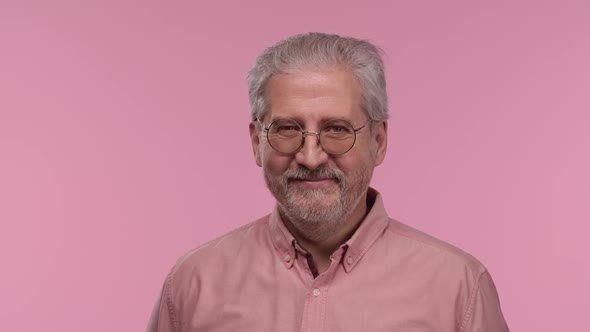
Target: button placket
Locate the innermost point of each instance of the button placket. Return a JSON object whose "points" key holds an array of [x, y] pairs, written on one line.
{"points": [[314, 313], [315, 309], [316, 292]]}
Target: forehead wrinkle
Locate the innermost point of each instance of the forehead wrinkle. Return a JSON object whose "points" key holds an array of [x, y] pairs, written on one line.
{"points": [[315, 96], [318, 108]]}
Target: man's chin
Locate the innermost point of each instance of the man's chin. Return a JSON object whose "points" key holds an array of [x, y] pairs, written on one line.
{"points": [[325, 199], [305, 196], [310, 214]]}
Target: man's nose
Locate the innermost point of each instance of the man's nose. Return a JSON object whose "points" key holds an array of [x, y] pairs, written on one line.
{"points": [[311, 155]]}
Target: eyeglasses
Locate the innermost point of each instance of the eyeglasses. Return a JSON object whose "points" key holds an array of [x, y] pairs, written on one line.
{"points": [[336, 136]]}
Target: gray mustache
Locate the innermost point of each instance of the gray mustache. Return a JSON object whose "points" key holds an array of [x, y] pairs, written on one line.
{"points": [[322, 173]]}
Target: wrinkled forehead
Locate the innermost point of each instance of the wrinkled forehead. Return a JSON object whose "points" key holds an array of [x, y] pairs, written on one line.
{"points": [[315, 95]]}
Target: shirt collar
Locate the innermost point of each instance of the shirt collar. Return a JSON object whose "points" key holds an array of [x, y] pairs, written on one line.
{"points": [[367, 233], [282, 239]]}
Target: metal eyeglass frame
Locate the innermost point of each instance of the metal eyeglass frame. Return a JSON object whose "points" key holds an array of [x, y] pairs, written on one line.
{"points": [[307, 132]]}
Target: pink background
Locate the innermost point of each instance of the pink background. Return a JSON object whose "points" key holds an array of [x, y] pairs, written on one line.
{"points": [[124, 143]]}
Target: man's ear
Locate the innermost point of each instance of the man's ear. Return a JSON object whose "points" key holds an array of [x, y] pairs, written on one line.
{"points": [[255, 139], [380, 132]]}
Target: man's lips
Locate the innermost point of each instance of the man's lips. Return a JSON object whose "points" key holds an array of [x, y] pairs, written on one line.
{"points": [[314, 183]]}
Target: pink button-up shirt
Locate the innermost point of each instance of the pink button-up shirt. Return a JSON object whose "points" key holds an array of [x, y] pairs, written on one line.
{"points": [[387, 277]]}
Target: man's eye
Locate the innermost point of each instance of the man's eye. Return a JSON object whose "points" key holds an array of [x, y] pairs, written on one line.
{"points": [[336, 129], [287, 128]]}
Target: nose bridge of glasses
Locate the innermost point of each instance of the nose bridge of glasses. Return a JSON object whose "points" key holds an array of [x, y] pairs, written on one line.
{"points": [[307, 132]]}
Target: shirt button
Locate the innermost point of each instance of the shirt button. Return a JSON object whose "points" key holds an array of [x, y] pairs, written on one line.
{"points": [[349, 260], [287, 258], [316, 292]]}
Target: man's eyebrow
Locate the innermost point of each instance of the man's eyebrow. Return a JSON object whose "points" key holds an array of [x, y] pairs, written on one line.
{"points": [[301, 123]]}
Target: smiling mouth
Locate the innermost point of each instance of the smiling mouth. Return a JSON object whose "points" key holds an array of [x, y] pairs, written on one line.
{"points": [[314, 183]]}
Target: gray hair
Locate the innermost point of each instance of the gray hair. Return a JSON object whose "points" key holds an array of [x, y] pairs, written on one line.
{"points": [[315, 51]]}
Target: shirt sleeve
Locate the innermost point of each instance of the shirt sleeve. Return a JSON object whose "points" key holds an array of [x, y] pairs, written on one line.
{"points": [[484, 313]]}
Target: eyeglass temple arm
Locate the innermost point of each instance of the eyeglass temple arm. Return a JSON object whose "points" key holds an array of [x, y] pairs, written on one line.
{"points": [[366, 124]]}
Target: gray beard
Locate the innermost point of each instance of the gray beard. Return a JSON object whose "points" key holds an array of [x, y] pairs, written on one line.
{"points": [[297, 207], [307, 211]]}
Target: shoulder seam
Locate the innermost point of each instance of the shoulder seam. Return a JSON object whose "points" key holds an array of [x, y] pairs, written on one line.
{"points": [[170, 303], [471, 307]]}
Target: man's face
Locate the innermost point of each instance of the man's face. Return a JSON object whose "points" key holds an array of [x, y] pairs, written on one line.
{"points": [[317, 192]]}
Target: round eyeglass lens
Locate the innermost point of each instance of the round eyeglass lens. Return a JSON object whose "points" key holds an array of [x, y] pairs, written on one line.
{"points": [[285, 135], [337, 136]]}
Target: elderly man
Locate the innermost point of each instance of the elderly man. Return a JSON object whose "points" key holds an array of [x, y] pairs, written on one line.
{"points": [[328, 258]]}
